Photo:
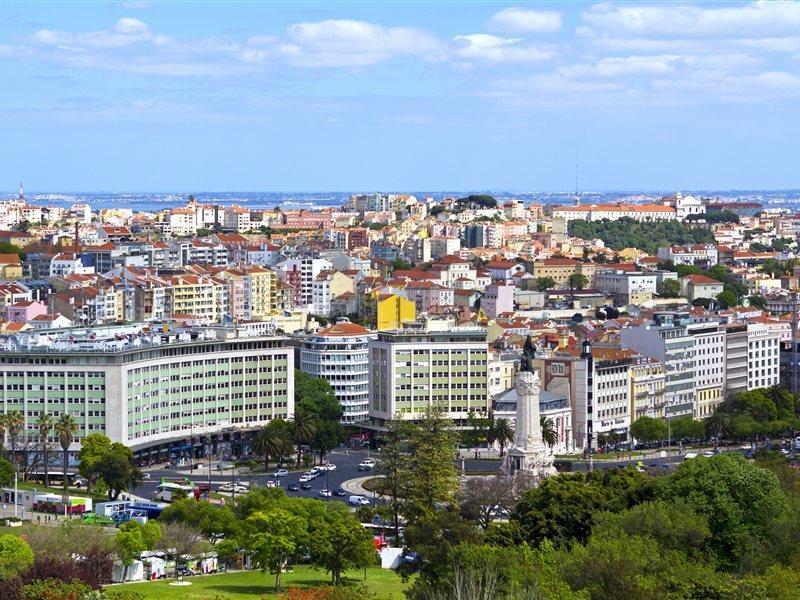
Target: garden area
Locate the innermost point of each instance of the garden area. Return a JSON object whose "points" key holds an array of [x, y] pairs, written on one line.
{"points": [[383, 584]]}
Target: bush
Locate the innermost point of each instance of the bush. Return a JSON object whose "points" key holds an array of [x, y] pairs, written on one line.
{"points": [[54, 589]]}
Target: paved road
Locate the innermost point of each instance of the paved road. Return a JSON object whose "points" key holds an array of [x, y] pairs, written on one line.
{"points": [[346, 468]]}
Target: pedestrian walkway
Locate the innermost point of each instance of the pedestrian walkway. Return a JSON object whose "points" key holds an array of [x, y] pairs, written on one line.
{"points": [[356, 487]]}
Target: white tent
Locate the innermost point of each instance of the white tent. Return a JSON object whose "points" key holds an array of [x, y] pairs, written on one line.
{"points": [[135, 571]]}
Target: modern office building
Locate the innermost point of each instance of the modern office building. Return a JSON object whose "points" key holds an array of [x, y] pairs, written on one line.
{"points": [[340, 354], [416, 367], [157, 391]]}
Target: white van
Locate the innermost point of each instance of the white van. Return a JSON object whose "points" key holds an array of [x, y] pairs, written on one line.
{"points": [[358, 501]]}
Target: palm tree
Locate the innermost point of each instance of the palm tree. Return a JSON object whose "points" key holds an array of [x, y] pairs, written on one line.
{"points": [[503, 433], [549, 434], [269, 442], [719, 422], [45, 426], [304, 428], [15, 423], [65, 428]]}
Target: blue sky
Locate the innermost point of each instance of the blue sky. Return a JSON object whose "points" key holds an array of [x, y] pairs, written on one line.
{"points": [[152, 96]]}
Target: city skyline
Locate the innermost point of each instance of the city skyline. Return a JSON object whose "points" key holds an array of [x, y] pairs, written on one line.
{"points": [[151, 96]]}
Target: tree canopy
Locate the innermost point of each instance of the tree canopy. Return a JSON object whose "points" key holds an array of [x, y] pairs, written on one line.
{"points": [[648, 236]]}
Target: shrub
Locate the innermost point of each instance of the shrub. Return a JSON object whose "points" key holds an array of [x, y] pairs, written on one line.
{"points": [[54, 589]]}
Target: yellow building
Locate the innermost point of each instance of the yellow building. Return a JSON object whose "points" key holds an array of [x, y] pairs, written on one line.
{"points": [[388, 311], [198, 296], [10, 267], [560, 269], [263, 291], [648, 384]]}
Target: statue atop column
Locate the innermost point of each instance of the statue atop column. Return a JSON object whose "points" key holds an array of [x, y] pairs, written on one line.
{"points": [[528, 452]]}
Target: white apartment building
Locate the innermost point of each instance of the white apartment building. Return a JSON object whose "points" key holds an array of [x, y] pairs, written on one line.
{"points": [[308, 268], [704, 255], [627, 287], [237, 218], [340, 354], [763, 356], [668, 341], [709, 372], [321, 293], [68, 264]]}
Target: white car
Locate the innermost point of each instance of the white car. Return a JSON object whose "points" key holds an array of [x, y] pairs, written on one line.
{"points": [[305, 477], [233, 487], [281, 473], [330, 467], [708, 453], [146, 476], [271, 484], [325, 493]]}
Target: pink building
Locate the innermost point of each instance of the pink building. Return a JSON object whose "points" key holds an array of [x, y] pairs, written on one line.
{"points": [[24, 311]]}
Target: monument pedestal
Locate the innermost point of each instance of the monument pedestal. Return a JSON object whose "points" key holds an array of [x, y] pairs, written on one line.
{"points": [[528, 453]]}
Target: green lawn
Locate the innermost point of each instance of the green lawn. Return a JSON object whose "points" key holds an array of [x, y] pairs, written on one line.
{"points": [[255, 585]]}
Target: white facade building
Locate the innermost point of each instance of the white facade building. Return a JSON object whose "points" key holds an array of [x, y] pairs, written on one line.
{"points": [[340, 354]]}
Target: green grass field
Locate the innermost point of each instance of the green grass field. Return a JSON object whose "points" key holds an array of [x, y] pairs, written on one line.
{"points": [[255, 585]]}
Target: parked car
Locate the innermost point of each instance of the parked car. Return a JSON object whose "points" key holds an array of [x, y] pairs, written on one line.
{"points": [[305, 477], [271, 484], [366, 465], [325, 493], [280, 473], [184, 572]]}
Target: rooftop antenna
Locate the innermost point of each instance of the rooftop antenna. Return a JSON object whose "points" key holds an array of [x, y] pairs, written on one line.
{"points": [[21, 191], [577, 196]]}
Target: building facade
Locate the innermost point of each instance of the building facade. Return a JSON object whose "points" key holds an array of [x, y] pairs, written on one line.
{"points": [[340, 355], [149, 390], [412, 369]]}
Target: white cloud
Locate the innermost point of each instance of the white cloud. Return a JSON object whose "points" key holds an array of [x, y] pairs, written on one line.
{"points": [[635, 65], [522, 20], [126, 31], [684, 20], [490, 48], [346, 43]]}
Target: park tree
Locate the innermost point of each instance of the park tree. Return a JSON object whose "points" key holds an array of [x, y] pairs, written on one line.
{"points": [[338, 542], [739, 500], [274, 440], [315, 396], [182, 539], [431, 476], [648, 430], [502, 432], [65, 429], [15, 556], [392, 465], [213, 521], [44, 426], [274, 540], [93, 449]]}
